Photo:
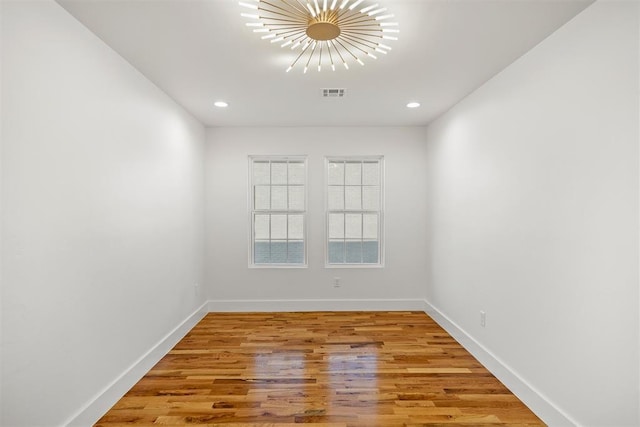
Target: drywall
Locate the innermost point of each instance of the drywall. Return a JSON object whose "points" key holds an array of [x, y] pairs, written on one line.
{"points": [[230, 280], [102, 221], [533, 202]]}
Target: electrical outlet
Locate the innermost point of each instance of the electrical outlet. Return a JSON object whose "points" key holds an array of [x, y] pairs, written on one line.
{"points": [[337, 282], [483, 318]]}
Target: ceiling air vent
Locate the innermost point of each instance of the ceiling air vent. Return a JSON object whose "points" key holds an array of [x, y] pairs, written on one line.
{"points": [[333, 93]]}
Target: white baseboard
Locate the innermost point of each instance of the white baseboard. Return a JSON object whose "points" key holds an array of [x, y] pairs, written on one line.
{"points": [[535, 400], [316, 305], [106, 398]]}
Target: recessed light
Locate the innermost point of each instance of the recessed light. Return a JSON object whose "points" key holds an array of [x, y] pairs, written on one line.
{"points": [[220, 104], [413, 105]]}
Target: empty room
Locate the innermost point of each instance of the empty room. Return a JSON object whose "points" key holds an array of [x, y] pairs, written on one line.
{"points": [[340, 213]]}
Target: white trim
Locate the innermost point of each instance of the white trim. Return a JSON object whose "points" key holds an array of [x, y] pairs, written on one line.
{"points": [[107, 397], [316, 305], [354, 265], [533, 398]]}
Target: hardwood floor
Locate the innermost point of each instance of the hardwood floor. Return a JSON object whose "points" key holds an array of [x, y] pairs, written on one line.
{"points": [[329, 369]]}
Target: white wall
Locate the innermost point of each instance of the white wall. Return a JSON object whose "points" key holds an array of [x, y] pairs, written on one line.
{"points": [[533, 203], [102, 221], [399, 283]]}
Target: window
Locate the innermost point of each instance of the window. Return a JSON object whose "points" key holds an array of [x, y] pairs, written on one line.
{"points": [[278, 211], [354, 211]]}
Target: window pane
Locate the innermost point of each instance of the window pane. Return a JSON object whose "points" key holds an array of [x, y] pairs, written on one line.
{"points": [[371, 173], [353, 198], [261, 227], [370, 226], [370, 252], [354, 252], [336, 226], [279, 197], [353, 173], [353, 226], [296, 173], [335, 197], [278, 172], [261, 172], [296, 198], [296, 252], [336, 173], [262, 197], [296, 227], [371, 198], [279, 227], [261, 252], [279, 252], [335, 252]]}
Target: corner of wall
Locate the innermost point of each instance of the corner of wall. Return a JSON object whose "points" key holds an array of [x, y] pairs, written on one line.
{"points": [[106, 398]]}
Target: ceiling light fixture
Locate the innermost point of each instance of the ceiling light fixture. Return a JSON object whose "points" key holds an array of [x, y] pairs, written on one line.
{"points": [[413, 105], [220, 104], [325, 32]]}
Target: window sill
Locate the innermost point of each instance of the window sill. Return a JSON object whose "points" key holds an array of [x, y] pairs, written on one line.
{"points": [[354, 266], [295, 266]]}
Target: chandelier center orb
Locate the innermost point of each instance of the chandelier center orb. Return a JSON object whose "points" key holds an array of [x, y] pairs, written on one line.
{"points": [[323, 31]]}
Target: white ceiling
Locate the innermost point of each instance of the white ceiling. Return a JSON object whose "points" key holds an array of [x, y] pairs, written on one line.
{"points": [[200, 51]]}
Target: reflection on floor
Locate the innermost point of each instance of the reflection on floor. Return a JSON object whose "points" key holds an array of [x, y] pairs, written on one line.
{"points": [[331, 369]]}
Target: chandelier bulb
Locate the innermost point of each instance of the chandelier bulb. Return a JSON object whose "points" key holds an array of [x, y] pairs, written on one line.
{"points": [[313, 12], [368, 8], [248, 5], [354, 5]]}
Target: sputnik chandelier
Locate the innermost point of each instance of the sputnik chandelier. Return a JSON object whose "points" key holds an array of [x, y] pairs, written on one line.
{"points": [[323, 32]]}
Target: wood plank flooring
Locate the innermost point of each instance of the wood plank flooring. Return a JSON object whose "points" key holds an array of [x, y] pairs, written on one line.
{"points": [[325, 369]]}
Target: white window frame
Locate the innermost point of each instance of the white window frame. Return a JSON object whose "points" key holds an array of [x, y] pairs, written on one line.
{"points": [[380, 212], [253, 211]]}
